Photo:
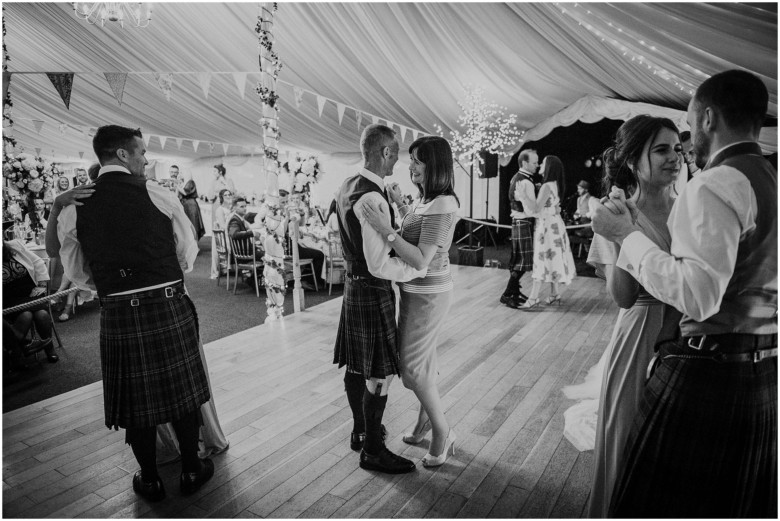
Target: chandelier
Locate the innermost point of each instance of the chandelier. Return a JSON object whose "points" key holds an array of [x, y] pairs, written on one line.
{"points": [[138, 13]]}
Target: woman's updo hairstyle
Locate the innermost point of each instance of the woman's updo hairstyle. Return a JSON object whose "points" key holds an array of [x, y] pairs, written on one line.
{"points": [[627, 149], [221, 169]]}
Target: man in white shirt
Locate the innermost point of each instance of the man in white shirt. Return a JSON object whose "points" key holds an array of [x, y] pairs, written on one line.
{"points": [[522, 198], [366, 339], [705, 438], [690, 159], [131, 241]]}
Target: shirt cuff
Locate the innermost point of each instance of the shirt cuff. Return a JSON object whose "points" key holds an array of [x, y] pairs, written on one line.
{"points": [[633, 250]]}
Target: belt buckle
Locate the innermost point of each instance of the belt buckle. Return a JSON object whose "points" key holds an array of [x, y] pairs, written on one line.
{"points": [[168, 292], [135, 302], [701, 343]]}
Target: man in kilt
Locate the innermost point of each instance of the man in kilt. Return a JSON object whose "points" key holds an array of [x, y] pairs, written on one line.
{"points": [[130, 241], [704, 441], [366, 339], [522, 198]]}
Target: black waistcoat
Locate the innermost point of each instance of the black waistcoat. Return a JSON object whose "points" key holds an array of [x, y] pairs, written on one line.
{"points": [[516, 205], [127, 241], [349, 226]]}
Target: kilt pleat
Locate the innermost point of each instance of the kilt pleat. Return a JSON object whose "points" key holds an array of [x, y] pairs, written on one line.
{"points": [[152, 369], [366, 338], [703, 444], [522, 258]]}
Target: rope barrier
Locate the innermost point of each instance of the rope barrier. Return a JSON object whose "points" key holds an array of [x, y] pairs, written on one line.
{"points": [[40, 300], [509, 226]]}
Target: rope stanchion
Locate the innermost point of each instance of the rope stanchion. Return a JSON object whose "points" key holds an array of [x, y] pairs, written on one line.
{"points": [[41, 300]]}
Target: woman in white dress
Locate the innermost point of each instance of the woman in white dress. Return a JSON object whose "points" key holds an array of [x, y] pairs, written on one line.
{"points": [[553, 260]]}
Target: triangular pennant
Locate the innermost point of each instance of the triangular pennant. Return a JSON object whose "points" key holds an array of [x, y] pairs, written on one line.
{"points": [[374, 119], [6, 83], [165, 82], [402, 135], [298, 92], [63, 82], [38, 125], [162, 139], [146, 138], [116, 80], [178, 142], [81, 155], [204, 78], [38, 152], [358, 118], [320, 103], [240, 78], [211, 148], [225, 148], [195, 144], [415, 133], [340, 109]]}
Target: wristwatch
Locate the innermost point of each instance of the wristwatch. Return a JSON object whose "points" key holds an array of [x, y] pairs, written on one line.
{"points": [[390, 237]]}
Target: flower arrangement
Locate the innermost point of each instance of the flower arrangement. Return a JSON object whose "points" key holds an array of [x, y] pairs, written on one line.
{"points": [[27, 176], [304, 170], [267, 96]]}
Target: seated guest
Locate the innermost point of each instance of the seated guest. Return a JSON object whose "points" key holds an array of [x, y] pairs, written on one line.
{"points": [[584, 203], [238, 228], [314, 254], [25, 278], [332, 220]]}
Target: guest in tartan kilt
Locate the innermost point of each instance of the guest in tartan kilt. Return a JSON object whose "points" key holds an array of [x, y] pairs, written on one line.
{"points": [[704, 442], [366, 338], [131, 240], [522, 199]]}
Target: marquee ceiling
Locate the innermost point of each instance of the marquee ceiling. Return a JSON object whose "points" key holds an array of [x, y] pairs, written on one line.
{"points": [[405, 63]]}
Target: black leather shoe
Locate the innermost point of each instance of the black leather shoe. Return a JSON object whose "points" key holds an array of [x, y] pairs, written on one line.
{"points": [[520, 298], [51, 356], [190, 482], [356, 439], [509, 301], [385, 461], [150, 491]]}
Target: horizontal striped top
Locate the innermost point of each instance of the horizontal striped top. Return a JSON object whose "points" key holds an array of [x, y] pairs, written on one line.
{"points": [[432, 223]]}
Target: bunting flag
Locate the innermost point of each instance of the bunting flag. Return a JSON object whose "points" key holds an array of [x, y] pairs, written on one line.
{"points": [[38, 152], [402, 134], [162, 139], [6, 83], [240, 78], [146, 138], [320, 103], [359, 118], [225, 148], [195, 144], [298, 92], [81, 155], [165, 82], [116, 80], [204, 78], [340, 109], [178, 142], [211, 148], [63, 82], [38, 125], [415, 133], [374, 119]]}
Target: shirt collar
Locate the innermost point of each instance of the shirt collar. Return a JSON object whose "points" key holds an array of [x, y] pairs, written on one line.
{"points": [[371, 176], [112, 168], [525, 172]]}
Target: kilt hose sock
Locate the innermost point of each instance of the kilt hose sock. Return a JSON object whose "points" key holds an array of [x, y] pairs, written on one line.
{"points": [[187, 432], [143, 441], [373, 409], [513, 286], [355, 386]]}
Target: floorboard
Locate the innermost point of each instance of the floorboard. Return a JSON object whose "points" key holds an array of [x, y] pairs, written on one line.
{"points": [[281, 403]]}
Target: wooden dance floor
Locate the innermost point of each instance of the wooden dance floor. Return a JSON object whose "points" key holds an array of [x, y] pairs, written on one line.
{"points": [[282, 406]]}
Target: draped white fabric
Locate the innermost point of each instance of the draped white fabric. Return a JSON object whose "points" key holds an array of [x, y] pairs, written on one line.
{"points": [[406, 63]]}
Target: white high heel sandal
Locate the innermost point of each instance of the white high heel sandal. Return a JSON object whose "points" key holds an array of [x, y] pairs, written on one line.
{"points": [[436, 461]]}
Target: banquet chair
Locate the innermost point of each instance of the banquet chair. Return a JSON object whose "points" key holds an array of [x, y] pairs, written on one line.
{"points": [[223, 256], [334, 259], [243, 252], [289, 274]]}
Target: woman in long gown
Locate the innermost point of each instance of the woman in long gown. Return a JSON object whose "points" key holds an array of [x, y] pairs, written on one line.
{"points": [[212, 439], [424, 242], [219, 220], [188, 195], [644, 162], [553, 260]]}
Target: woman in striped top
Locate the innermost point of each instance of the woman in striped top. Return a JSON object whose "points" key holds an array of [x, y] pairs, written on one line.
{"points": [[424, 242]]}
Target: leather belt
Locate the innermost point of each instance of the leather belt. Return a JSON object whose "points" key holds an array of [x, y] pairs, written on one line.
{"points": [[360, 277], [724, 348], [143, 298]]}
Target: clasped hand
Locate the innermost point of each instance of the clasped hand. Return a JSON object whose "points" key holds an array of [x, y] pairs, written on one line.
{"points": [[614, 216]]}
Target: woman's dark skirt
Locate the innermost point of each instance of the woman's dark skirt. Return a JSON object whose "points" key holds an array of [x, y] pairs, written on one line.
{"points": [[195, 216], [366, 339], [704, 443], [152, 370]]}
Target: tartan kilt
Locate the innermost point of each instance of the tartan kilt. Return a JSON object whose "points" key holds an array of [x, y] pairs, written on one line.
{"points": [[152, 369], [522, 258], [366, 339], [703, 443]]}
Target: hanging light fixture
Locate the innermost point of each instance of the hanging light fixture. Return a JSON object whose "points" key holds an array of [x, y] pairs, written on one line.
{"points": [[139, 14]]}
